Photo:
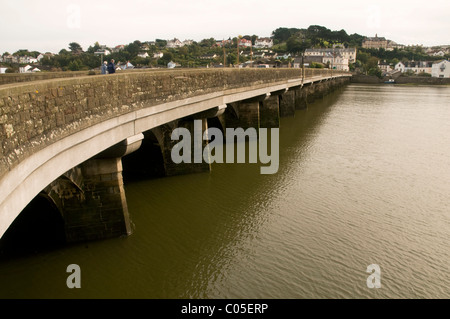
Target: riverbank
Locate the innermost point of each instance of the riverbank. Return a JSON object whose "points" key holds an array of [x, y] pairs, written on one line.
{"points": [[416, 80]]}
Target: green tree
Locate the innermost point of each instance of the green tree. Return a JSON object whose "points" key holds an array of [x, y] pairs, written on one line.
{"points": [[231, 58], [161, 43], [294, 44], [375, 71], [94, 48], [283, 34], [74, 65], [372, 63], [75, 48]]}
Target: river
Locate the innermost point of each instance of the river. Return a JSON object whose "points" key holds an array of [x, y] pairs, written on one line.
{"points": [[364, 179]]}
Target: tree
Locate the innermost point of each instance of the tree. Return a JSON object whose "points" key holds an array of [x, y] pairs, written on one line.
{"points": [[161, 43], [294, 44], [375, 71], [167, 57], [372, 62], [254, 38], [94, 48], [74, 65], [75, 48], [283, 34], [231, 58], [133, 49]]}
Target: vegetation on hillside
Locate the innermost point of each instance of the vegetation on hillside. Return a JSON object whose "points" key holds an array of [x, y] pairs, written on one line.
{"points": [[289, 42]]}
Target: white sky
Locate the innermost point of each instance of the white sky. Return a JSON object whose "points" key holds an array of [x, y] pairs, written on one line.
{"points": [[52, 24]]}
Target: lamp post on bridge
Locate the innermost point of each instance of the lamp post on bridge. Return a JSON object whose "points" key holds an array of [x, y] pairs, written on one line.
{"points": [[101, 53]]}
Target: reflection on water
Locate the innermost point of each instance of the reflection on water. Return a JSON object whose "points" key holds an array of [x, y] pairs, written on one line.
{"points": [[363, 179]]}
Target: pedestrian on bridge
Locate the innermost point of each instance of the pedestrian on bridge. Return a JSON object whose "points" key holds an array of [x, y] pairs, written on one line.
{"points": [[111, 67], [104, 68]]}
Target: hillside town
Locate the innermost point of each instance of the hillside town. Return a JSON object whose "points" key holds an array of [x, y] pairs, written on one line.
{"points": [[315, 47]]}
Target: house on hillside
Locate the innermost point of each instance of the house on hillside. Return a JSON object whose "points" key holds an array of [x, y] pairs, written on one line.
{"points": [[25, 69], [28, 69], [118, 48], [346, 53], [143, 55], [384, 67], [172, 65], [414, 66], [245, 43], [336, 62], [263, 43], [441, 69], [175, 43], [375, 43], [208, 56], [223, 43]]}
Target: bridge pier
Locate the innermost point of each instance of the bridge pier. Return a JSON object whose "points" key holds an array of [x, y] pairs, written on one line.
{"points": [[287, 104], [196, 164], [310, 96], [102, 212], [91, 196], [300, 98], [269, 112], [244, 114]]}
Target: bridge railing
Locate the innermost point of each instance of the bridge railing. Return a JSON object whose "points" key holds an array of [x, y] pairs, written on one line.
{"points": [[15, 78]]}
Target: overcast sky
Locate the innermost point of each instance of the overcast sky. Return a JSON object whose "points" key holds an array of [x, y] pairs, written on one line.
{"points": [[51, 25]]}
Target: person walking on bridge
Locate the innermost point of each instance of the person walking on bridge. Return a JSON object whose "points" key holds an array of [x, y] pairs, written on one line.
{"points": [[104, 67], [111, 67]]}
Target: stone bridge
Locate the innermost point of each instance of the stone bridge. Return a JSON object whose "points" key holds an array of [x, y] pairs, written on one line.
{"points": [[63, 139]]}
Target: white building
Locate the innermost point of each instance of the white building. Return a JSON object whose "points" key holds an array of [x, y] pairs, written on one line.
{"points": [[143, 55], [28, 69], [400, 67], [158, 55], [416, 67], [439, 53], [175, 43], [336, 62], [25, 69], [384, 67], [441, 69], [349, 53], [263, 43], [245, 43], [3, 70]]}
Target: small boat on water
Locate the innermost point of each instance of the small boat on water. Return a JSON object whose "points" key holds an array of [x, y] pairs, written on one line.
{"points": [[390, 81]]}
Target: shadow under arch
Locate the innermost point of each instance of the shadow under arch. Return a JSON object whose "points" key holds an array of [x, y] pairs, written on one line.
{"points": [[145, 163], [39, 227]]}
